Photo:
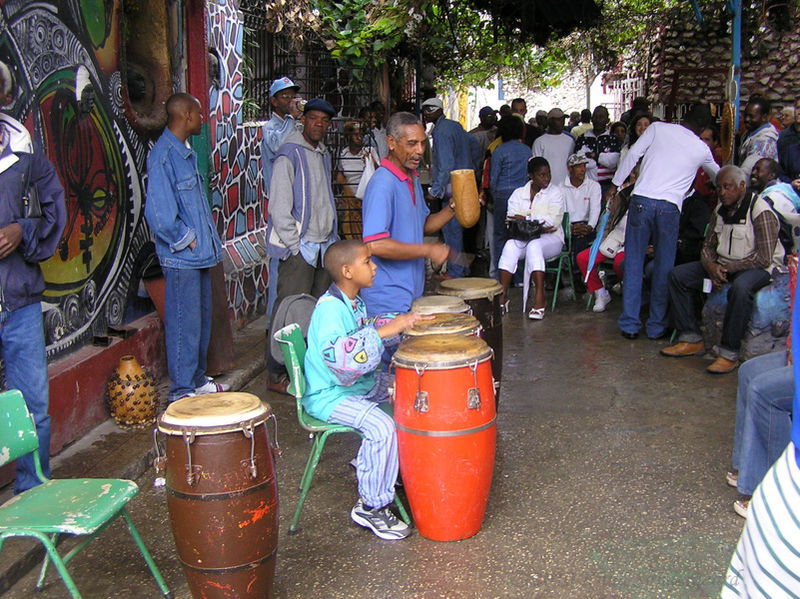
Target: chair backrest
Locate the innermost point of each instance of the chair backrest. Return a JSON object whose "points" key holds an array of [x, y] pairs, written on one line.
{"points": [[17, 431], [293, 348], [567, 227]]}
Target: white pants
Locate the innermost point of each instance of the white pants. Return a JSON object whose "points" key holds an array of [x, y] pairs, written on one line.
{"points": [[535, 251]]}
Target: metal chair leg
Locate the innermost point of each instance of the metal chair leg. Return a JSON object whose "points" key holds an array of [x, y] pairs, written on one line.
{"points": [[62, 569], [402, 509], [146, 555], [307, 469], [316, 452], [45, 563]]}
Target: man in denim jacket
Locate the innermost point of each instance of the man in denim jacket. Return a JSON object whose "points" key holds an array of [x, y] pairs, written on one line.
{"points": [[24, 242], [187, 245]]}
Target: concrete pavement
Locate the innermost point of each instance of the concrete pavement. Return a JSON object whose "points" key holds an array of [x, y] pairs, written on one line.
{"points": [[609, 483]]}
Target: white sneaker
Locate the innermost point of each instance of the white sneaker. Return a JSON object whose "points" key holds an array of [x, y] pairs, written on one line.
{"points": [[601, 299], [211, 386], [381, 521]]}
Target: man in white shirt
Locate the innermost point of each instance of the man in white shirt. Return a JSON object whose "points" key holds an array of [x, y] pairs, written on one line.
{"points": [[555, 146], [582, 201], [671, 155]]}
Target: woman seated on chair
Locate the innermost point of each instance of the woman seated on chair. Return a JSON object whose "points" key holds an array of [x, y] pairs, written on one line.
{"points": [[538, 201]]}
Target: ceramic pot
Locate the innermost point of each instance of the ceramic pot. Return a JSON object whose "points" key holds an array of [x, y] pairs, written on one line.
{"points": [[132, 394]]}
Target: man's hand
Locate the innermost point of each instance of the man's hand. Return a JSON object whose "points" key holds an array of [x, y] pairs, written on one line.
{"points": [[438, 253], [580, 229], [401, 323], [796, 185], [10, 236], [192, 244], [610, 193], [650, 251], [717, 273]]}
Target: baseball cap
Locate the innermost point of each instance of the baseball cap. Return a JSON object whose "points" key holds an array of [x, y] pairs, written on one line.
{"points": [[485, 111], [321, 105], [433, 103], [576, 159], [556, 113], [282, 84]]}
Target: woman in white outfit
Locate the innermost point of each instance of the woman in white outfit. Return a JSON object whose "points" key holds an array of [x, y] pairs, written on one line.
{"points": [[540, 201]]}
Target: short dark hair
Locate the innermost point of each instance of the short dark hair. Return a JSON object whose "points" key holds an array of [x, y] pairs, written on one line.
{"points": [[586, 115], [763, 104], [773, 166], [640, 102], [517, 101], [698, 117], [340, 254], [535, 163], [510, 127]]}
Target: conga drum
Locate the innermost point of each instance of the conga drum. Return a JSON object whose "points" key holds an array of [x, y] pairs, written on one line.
{"points": [[446, 324], [483, 296], [222, 494], [438, 304], [444, 411]]}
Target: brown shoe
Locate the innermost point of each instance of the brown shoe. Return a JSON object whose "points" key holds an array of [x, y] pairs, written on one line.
{"points": [[281, 386], [722, 366], [684, 349]]}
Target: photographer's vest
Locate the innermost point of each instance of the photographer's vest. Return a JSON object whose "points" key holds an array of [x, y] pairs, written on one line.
{"points": [[736, 238]]}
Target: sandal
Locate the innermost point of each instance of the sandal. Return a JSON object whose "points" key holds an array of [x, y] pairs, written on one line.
{"points": [[536, 314], [732, 478], [741, 506]]}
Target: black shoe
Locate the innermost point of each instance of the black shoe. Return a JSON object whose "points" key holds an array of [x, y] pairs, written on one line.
{"points": [[663, 335], [628, 335]]}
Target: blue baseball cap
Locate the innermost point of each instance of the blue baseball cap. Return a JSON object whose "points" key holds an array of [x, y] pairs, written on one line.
{"points": [[321, 105], [485, 111], [282, 84]]}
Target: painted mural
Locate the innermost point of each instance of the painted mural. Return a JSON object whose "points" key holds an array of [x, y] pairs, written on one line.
{"points": [[54, 49], [236, 178]]}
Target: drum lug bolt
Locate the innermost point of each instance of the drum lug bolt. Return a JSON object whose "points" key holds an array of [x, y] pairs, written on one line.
{"points": [[421, 401], [474, 394]]}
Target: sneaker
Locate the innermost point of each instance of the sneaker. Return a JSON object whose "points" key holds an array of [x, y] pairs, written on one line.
{"points": [[381, 521], [601, 299], [210, 386], [740, 507]]}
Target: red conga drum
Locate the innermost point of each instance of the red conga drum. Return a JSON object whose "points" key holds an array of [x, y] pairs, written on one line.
{"points": [[444, 411], [222, 494], [446, 324], [483, 296]]}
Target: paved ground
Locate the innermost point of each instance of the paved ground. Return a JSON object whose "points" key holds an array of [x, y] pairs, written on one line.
{"points": [[609, 483]]}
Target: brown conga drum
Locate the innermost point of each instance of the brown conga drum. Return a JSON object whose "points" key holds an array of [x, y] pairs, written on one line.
{"points": [[444, 411], [439, 304], [465, 197], [222, 494], [446, 324], [483, 296]]}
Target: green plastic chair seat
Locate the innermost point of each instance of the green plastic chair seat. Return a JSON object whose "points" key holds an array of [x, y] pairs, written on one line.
{"points": [[46, 508]]}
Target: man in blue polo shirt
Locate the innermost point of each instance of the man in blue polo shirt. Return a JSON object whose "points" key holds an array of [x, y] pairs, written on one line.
{"points": [[396, 218]]}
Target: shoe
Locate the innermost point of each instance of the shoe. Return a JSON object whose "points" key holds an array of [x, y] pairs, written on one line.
{"points": [[740, 506], [732, 478], [663, 335], [536, 314], [617, 288], [601, 299], [381, 521], [722, 366], [211, 386], [505, 307], [684, 349], [628, 335], [281, 386], [181, 397]]}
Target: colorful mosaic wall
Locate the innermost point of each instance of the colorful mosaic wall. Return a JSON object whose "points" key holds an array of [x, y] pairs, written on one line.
{"points": [[235, 182]]}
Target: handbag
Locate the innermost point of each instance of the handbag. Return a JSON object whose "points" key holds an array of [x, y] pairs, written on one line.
{"points": [[31, 207], [523, 230], [366, 175]]}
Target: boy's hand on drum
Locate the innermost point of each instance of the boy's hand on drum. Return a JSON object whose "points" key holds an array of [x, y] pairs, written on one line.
{"points": [[438, 253], [402, 322]]}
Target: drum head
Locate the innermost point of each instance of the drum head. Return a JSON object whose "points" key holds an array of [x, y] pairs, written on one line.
{"points": [[471, 288], [212, 413], [438, 304], [457, 324], [438, 352]]}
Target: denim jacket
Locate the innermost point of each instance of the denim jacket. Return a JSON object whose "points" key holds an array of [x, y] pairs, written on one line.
{"points": [[177, 209], [21, 280], [453, 148]]}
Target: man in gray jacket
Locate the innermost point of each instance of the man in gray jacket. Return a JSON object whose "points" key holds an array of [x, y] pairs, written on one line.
{"points": [[302, 214]]}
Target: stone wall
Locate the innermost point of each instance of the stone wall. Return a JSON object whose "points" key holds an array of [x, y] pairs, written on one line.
{"points": [[769, 60]]}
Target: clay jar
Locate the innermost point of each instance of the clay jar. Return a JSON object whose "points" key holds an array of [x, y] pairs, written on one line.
{"points": [[132, 394]]}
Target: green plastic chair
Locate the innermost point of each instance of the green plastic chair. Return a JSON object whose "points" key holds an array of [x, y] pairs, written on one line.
{"points": [[556, 264], [293, 348], [80, 507]]}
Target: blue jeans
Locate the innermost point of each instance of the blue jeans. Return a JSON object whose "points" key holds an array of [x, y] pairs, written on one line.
{"points": [[763, 417], [25, 358], [272, 287], [656, 222], [187, 312]]}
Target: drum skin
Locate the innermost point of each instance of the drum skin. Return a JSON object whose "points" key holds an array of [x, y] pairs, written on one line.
{"points": [[483, 297], [225, 524], [447, 453], [457, 324], [438, 304]]}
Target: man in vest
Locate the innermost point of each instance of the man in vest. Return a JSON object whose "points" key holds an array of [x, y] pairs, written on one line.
{"points": [[302, 215], [741, 248]]}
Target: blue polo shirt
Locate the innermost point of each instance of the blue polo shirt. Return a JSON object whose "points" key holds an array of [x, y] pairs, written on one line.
{"points": [[394, 206]]}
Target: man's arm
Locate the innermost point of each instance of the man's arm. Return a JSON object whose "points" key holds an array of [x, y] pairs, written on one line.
{"points": [[397, 250], [161, 207], [708, 255], [281, 200], [595, 194], [443, 160], [40, 236], [635, 152]]}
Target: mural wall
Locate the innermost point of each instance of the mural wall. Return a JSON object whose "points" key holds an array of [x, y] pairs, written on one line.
{"points": [[235, 181], [54, 48]]}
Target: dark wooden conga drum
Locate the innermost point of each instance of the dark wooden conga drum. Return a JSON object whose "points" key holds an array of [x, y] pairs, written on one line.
{"points": [[483, 296], [222, 494]]}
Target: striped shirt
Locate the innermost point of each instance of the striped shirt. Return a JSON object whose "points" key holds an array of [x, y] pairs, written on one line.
{"points": [[766, 562]]}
